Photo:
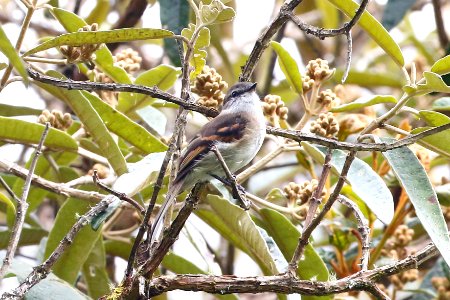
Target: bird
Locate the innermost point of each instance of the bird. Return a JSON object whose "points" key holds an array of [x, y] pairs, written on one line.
{"points": [[237, 133]]}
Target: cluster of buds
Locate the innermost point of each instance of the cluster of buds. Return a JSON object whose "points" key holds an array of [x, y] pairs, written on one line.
{"points": [[102, 171], [274, 109], [327, 99], [209, 86], [442, 286], [56, 119], [307, 83], [300, 194], [395, 248], [75, 54], [318, 70], [128, 59], [325, 125]]}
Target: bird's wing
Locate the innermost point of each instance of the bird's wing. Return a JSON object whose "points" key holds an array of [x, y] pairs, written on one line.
{"points": [[223, 129]]}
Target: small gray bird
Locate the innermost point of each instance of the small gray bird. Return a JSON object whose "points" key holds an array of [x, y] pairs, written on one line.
{"points": [[237, 133]]}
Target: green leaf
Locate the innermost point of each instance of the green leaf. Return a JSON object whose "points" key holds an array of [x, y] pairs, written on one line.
{"points": [[49, 288], [441, 104], [12, 110], [94, 271], [370, 78], [289, 67], [286, 236], [103, 57], [73, 258], [124, 127], [329, 13], [434, 83], [118, 248], [10, 52], [415, 181], [8, 202], [394, 12], [376, 31], [140, 174], [174, 15], [154, 118], [3, 66], [25, 132], [365, 182], [437, 142], [443, 194], [180, 265], [162, 76], [434, 118], [215, 12], [198, 59], [99, 13], [90, 118], [442, 66], [238, 228], [364, 102], [96, 37], [29, 236]]}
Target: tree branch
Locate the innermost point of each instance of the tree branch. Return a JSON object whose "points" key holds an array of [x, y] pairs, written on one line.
{"points": [[285, 284], [41, 271], [22, 207]]}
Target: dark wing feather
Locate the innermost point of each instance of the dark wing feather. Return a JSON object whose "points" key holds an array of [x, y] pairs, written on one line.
{"points": [[223, 128]]}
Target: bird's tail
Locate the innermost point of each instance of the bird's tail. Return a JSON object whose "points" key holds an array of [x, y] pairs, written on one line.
{"points": [[158, 223]]}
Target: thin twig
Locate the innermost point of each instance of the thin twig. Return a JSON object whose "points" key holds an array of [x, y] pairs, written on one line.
{"points": [[307, 231], [22, 206], [121, 196], [363, 229], [316, 198], [41, 271], [57, 188], [9, 190]]}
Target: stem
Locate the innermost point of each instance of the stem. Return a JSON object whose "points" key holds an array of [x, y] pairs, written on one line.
{"points": [[23, 30], [22, 207]]}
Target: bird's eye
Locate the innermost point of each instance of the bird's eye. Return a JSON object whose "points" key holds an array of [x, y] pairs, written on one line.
{"points": [[234, 94]]}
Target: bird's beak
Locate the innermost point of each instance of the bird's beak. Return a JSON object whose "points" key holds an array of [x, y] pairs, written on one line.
{"points": [[253, 87]]}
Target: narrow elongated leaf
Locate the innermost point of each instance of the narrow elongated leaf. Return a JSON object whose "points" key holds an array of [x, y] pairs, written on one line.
{"points": [[174, 15], [370, 78], [237, 227], [330, 15], [438, 141], [154, 118], [124, 127], [364, 102], [8, 202], [289, 67], [94, 271], [72, 260], [90, 118], [12, 110], [10, 52], [394, 12], [442, 66], [99, 13], [29, 236], [103, 57], [415, 181], [49, 288], [442, 104], [434, 118], [376, 31], [365, 182], [286, 236], [162, 76], [24, 132], [97, 37]]}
